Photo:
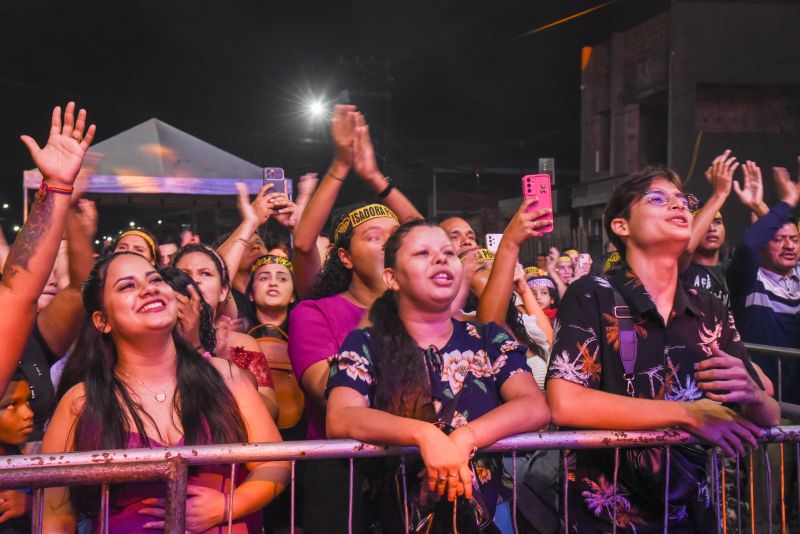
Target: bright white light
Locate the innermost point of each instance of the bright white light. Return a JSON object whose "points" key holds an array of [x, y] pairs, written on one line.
{"points": [[96, 241], [16, 228], [5, 206], [131, 224], [316, 108], [159, 221]]}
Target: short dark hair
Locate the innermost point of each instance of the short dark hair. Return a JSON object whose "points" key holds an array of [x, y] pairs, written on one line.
{"points": [[631, 190]]}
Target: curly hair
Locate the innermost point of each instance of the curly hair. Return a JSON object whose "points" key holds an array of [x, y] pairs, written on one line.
{"points": [[334, 278], [180, 282], [401, 375]]}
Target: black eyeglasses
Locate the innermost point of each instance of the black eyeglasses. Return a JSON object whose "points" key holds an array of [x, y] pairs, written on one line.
{"points": [[659, 197]]}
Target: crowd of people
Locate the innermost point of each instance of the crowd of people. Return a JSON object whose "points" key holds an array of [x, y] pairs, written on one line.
{"points": [[394, 330]]}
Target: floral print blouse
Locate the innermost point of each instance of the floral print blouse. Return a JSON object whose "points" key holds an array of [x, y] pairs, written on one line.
{"points": [[586, 352], [477, 359]]}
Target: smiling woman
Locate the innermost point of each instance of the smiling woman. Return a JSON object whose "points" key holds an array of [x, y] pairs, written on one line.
{"points": [[139, 390]]}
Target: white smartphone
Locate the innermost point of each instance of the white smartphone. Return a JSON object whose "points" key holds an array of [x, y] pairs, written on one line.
{"points": [[493, 241]]}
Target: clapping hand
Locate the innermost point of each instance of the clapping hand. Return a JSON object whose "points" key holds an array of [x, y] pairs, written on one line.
{"points": [[720, 173], [751, 192], [60, 159]]}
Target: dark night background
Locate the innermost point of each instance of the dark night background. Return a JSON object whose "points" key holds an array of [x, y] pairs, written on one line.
{"points": [[444, 83]]}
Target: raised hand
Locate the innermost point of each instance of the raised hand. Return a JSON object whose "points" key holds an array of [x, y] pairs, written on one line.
{"points": [[189, 316], [788, 191], [365, 164], [281, 208], [720, 173], [524, 225], [256, 213], [85, 213], [60, 159], [343, 132], [751, 192]]}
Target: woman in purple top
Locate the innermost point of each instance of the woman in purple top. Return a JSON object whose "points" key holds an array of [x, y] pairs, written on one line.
{"points": [[140, 390]]}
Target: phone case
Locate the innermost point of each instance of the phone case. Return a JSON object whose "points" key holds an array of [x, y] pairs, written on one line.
{"points": [[538, 185], [493, 241]]}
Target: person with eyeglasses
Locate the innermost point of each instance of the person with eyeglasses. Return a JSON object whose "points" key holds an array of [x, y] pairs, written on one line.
{"points": [[638, 350]]}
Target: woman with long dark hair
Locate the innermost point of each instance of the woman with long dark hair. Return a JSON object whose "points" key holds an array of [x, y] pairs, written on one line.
{"points": [[416, 366], [142, 389]]}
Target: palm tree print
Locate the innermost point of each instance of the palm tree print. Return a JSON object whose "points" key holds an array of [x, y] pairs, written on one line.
{"points": [[710, 336], [603, 497], [612, 330]]}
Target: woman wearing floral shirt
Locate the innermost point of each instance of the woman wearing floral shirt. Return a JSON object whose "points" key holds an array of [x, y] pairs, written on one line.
{"points": [[385, 388], [689, 360]]}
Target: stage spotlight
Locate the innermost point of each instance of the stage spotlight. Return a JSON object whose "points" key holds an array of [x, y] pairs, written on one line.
{"points": [[317, 109]]}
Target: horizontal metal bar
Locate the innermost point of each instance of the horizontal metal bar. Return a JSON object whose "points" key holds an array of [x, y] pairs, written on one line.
{"points": [[346, 448], [111, 473], [772, 350]]}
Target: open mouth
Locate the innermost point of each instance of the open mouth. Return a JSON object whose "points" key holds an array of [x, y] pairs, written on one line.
{"points": [[442, 278], [153, 306], [273, 293], [680, 220]]}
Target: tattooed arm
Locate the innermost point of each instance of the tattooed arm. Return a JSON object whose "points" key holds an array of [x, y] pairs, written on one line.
{"points": [[31, 257]]}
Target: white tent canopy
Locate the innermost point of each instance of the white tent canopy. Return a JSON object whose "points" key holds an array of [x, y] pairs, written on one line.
{"points": [[156, 158]]}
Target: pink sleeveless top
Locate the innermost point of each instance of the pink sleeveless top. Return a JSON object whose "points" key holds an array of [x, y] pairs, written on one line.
{"points": [[126, 499]]}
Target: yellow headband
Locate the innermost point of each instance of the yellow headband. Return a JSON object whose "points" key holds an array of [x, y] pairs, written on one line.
{"points": [[564, 259], [533, 270], [359, 216], [718, 214], [272, 260], [612, 259], [483, 254], [573, 251], [147, 238]]}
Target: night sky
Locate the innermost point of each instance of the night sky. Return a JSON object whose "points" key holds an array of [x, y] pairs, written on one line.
{"points": [[442, 83]]}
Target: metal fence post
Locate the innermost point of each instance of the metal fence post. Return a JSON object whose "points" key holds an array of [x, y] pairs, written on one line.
{"points": [[177, 481]]}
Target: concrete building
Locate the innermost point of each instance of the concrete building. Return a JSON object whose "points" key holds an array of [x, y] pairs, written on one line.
{"points": [[682, 87]]}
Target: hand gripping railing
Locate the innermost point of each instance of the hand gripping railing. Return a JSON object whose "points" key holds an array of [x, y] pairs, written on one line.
{"points": [[171, 463]]}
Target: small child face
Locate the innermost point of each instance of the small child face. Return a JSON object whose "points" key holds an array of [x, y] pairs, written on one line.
{"points": [[16, 416]]}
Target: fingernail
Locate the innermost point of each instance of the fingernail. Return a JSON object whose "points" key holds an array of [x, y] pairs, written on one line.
{"points": [[697, 366]]}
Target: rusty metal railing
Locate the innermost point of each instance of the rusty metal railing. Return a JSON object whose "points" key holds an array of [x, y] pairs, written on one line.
{"points": [[171, 464]]}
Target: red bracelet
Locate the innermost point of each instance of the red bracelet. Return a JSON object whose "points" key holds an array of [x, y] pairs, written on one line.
{"points": [[44, 189]]}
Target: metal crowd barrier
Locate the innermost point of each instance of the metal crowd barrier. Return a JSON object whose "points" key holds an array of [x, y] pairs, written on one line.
{"points": [[171, 464], [779, 353]]}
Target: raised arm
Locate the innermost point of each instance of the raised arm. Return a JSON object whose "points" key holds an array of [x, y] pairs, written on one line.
{"points": [[233, 249], [720, 176], [494, 300], [751, 193], [31, 257], [306, 257], [366, 166], [59, 321]]}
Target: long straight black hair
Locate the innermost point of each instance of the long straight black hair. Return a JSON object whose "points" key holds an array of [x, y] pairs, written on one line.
{"points": [[205, 406]]}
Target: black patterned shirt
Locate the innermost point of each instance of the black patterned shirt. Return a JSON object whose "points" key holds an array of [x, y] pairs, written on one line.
{"points": [[586, 352]]}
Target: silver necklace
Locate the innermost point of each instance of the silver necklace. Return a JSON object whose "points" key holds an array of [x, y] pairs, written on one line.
{"points": [[159, 393]]}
